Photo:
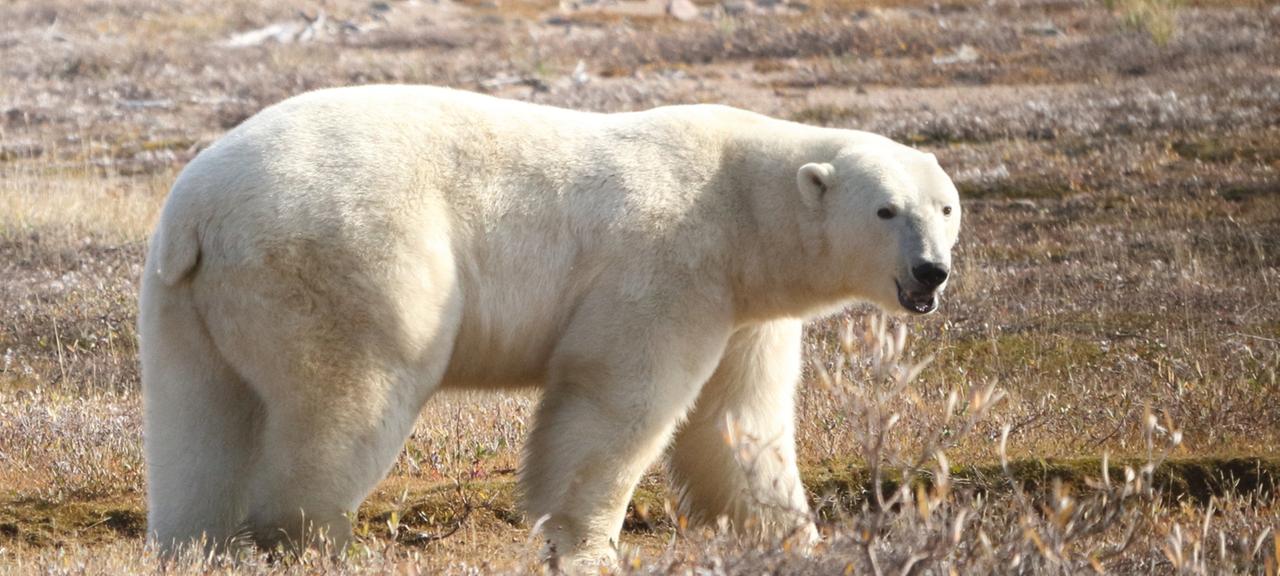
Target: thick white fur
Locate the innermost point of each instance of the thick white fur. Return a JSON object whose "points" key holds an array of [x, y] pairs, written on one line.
{"points": [[330, 263]]}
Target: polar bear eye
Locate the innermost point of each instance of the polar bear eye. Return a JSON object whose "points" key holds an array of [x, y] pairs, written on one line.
{"points": [[884, 213], [946, 210]]}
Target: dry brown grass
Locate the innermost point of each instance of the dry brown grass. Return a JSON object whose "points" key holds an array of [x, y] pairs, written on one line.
{"points": [[1119, 258]]}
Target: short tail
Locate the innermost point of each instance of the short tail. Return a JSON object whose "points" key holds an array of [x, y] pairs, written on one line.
{"points": [[175, 245]]}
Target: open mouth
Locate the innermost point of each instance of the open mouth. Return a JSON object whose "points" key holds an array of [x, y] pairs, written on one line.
{"points": [[917, 302]]}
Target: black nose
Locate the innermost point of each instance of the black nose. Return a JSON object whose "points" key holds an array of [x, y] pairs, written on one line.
{"points": [[929, 274]]}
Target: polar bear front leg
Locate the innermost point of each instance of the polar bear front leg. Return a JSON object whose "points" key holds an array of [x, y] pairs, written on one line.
{"points": [[735, 456], [614, 398]]}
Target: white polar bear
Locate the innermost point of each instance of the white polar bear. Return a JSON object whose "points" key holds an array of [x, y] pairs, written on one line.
{"points": [[324, 268]]}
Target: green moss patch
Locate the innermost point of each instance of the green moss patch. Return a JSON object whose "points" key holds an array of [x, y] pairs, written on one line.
{"points": [[433, 511], [1057, 354], [1251, 191], [36, 522], [1225, 150], [425, 512], [1193, 480]]}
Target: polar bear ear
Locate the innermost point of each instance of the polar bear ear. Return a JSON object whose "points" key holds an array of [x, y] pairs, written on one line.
{"points": [[814, 180]]}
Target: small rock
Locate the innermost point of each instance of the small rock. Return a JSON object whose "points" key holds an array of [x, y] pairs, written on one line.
{"points": [[162, 104], [647, 8], [580, 75], [16, 116], [980, 176], [1024, 204], [682, 10], [736, 7], [1044, 29], [280, 33], [506, 80], [314, 29], [964, 54]]}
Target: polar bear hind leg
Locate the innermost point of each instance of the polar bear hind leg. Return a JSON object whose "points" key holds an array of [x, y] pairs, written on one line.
{"points": [[735, 456], [343, 370], [201, 426], [283, 389], [316, 468]]}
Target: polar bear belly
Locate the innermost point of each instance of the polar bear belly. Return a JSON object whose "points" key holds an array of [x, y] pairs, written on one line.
{"points": [[518, 297]]}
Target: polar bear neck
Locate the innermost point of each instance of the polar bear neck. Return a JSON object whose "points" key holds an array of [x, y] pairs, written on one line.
{"points": [[777, 265]]}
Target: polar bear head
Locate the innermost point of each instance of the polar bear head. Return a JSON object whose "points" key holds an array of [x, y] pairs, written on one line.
{"points": [[889, 217]]}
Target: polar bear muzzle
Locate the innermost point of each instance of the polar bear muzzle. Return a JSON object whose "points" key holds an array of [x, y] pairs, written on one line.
{"points": [[928, 278]]}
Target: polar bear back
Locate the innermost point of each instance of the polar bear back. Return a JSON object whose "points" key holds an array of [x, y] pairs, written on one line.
{"points": [[519, 208], [336, 154]]}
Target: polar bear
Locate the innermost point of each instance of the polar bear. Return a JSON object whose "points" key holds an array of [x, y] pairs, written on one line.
{"points": [[325, 267]]}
